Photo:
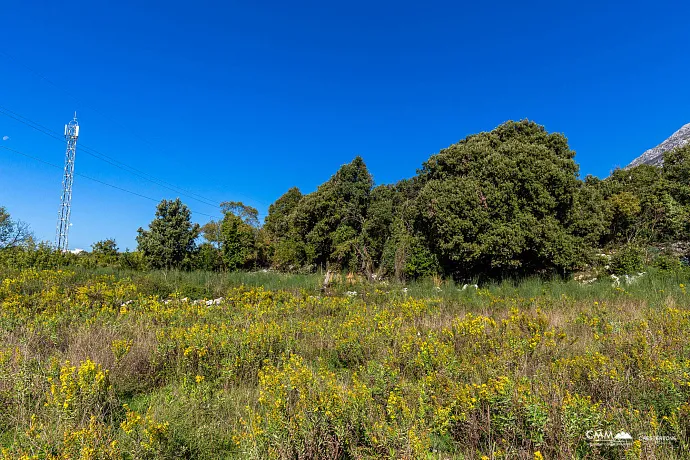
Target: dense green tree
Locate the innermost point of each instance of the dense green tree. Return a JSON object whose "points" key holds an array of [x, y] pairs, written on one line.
{"points": [[647, 202], [208, 257], [210, 231], [407, 254], [238, 235], [591, 214], [499, 203], [324, 227], [676, 171], [105, 252], [107, 247], [248, 214], [277, 222], [333, 216], [376, 228], [285, 247], [290, 253], [170, 240], [625, 211]]}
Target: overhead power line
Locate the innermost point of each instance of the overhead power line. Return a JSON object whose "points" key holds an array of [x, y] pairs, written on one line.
{"points": [[61, 88], [71, 95], [107, 159], [92, 178]]}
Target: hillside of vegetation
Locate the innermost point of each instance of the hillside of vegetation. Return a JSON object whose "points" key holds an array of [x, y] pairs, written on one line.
{"points": [[100, 366]]}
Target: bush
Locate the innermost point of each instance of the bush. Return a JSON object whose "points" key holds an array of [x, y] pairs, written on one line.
{"points": [[193, 291], [629, 259], [667, 262], [151, 285]]}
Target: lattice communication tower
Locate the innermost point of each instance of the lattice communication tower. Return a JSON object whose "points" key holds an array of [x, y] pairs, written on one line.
{"points": [[63, 224]]}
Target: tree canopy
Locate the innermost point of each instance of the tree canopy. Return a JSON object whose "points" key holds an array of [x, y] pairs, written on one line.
{"points": [[503, 203], [508, 202], [170, 239]]}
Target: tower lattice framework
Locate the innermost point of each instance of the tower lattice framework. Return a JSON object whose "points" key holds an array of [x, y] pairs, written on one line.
{"points": [[63, 223]]}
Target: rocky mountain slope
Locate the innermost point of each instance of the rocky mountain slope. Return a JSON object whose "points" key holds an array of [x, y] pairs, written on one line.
{"points": [[655, 156]]}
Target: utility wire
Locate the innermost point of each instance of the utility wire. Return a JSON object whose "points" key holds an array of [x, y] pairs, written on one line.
{"points": [[92, 178], [38, 74], [76, 99], [101, 156]]}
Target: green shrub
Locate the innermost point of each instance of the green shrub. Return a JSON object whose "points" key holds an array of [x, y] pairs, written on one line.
{"points": [[193, 291], [667, 262], [629, 259]]}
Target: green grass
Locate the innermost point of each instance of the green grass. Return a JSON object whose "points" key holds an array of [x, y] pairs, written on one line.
{"points": [[203, 284], [654, 285]]}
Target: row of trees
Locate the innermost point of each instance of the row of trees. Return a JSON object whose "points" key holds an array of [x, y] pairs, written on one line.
{"points": [[503, 203], [229, 244]]}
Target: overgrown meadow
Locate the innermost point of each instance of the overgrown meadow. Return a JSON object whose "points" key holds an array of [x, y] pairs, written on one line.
{"points": [[119, 365]]}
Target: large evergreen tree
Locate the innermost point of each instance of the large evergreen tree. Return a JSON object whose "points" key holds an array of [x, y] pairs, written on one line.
{"points": [[277, 222], [500, 203], [238, 235], [328, 222], [286, 245], [170, 240]]}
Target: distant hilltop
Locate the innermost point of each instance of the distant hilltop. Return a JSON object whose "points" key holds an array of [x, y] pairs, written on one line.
{"points": [[655, 156]]}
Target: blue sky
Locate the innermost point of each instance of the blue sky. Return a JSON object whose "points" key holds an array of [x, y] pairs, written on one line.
{"points": [[241, 101]]}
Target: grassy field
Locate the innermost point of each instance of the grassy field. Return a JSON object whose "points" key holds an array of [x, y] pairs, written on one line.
{"points": [[115, 364]]}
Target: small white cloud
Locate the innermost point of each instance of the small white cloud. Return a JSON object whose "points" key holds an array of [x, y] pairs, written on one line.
{"points": [[5, 138]]}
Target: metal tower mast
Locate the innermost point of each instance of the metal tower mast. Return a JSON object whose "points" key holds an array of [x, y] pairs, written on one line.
{"points": [[62, 230]]}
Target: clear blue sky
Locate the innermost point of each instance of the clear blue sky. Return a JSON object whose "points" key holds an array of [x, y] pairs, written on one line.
{"points": [[240, 101]]}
